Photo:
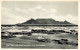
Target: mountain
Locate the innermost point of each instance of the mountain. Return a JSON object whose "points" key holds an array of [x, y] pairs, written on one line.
{"points": [[31, 21], [45, 21]]}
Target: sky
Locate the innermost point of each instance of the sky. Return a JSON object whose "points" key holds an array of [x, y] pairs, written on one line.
{"points": [[14, 12]]}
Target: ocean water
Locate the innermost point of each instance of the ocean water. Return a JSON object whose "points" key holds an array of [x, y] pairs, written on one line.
{"points": [[29, 28], [31, 40]]}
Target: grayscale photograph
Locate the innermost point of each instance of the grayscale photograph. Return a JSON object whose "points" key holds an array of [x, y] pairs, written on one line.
{"points": [[39, 24]]}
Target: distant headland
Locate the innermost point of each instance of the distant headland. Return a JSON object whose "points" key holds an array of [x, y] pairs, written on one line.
{"points": [[45, 21]]}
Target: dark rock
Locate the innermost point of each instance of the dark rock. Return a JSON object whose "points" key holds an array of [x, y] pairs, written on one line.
{"points": [[64, 39]]}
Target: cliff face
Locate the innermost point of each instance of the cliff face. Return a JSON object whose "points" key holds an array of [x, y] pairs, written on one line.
{"points": [[45, 21]]}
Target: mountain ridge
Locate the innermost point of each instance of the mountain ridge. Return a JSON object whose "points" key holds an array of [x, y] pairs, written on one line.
{"points": [[46, 21]]}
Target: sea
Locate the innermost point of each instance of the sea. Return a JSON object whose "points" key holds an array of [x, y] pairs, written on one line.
{"points": [[28, 28]]}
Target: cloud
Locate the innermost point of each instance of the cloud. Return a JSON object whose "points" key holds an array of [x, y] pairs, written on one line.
{"points": [[39, 11], [19, 15], [39, 7], [53, 10], [32, 9], [5, 9], [10, 18], [21, 10], [72, 19]]}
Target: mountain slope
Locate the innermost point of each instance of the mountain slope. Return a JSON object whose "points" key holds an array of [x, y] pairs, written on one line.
{"points": [[45, 21]]}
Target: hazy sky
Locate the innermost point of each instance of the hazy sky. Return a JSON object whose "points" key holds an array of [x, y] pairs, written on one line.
{"points": [[18, 11]]}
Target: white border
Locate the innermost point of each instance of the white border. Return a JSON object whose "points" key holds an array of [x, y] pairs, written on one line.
{"points": [[46, 0]]}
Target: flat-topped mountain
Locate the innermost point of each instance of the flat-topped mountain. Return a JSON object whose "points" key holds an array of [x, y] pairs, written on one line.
{"points": [[46, 21]]}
